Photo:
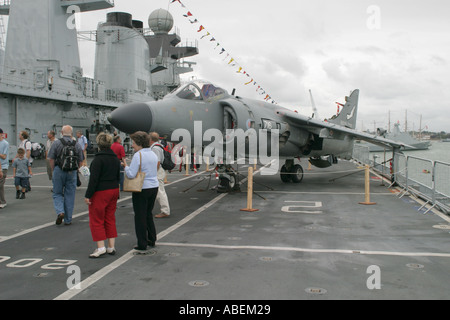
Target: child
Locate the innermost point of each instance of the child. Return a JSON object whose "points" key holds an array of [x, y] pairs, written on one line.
{"points": [[21, 173]]}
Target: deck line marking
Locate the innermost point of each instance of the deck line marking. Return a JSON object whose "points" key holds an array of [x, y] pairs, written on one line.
{"points": [[70, 293], [23, 232], [343, 251], [326, 192]]}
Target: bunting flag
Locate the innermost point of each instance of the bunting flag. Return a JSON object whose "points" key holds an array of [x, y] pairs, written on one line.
{"points": [[232, 62], [179, 1]]}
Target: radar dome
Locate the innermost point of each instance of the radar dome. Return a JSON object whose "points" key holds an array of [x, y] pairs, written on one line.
{"points": [[160, 21]]}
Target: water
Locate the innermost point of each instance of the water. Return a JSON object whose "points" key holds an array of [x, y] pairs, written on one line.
{"points": [[438, 151], [432, 180]]}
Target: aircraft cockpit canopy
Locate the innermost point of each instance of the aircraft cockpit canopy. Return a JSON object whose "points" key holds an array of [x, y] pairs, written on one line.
{"points": [[200, 90]]}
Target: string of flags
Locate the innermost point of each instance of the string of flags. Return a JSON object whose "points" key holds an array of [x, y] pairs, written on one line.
{"points": [[228, 58]]}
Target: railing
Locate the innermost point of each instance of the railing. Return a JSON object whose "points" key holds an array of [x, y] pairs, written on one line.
{"points": [[424, 178]]}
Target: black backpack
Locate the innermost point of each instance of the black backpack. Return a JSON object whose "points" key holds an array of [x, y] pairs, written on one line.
{"points": [[68, 158], [167, 163], [36, 150]]}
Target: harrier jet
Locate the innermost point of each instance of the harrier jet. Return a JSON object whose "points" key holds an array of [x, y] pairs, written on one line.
{"points": [[200, 106]]}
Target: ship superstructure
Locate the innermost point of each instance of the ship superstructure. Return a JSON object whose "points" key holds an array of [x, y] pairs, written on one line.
{"points": [[42, 86]]}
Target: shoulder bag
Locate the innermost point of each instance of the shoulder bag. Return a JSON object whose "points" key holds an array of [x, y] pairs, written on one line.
{"points": [[134, 184]]}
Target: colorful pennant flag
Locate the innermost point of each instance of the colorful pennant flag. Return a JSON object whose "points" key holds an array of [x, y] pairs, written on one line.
{"points": [[249, 82], [232, 62]]}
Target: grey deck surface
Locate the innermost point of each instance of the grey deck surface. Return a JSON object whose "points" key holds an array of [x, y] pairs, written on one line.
{"points": [[308, 241]]}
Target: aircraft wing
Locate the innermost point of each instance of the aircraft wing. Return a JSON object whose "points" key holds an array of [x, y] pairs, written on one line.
{"points": [[330, 130]]}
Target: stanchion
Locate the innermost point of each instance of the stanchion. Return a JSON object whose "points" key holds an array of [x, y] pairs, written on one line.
{"points": [[367, 188], [250, 191], [207, 164], [187, 163]]}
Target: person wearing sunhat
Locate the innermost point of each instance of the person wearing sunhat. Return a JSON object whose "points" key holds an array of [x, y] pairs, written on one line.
{"points": [[4, 161]]}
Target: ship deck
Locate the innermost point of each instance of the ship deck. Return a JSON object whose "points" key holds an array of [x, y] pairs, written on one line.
{"points": [[308, 241]]}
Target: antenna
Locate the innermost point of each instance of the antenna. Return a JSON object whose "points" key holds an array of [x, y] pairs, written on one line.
{"points": [[315, 113]]}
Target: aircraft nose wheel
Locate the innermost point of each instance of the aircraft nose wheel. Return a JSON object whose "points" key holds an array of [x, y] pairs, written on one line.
{"points": [[285, 176], [295, 174], [228, 180]]}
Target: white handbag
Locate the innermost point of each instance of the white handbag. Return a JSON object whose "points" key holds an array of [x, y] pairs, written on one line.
{"points": [[135, 184]]}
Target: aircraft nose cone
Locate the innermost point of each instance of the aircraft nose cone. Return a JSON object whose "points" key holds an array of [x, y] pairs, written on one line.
{"points": [[132, 117]]}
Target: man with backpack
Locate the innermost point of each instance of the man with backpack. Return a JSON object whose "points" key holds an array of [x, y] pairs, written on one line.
{"points": [[161, 153], [65, 158]]}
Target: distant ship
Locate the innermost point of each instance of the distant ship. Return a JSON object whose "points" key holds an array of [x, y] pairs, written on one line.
{"points": [[398, 136]]}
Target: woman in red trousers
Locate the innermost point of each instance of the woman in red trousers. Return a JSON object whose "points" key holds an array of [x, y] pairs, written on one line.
{"points": [[101, 196]]}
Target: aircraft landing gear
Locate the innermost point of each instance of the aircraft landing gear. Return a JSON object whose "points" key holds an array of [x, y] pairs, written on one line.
{"points": [[228, 179], [291, 172]]}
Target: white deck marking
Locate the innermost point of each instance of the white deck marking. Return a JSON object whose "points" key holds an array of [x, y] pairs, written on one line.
{"points": [[342, 251], [45, 225], [69, 294]]}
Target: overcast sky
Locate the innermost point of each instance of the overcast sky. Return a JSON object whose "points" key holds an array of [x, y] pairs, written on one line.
{"points": [[396, 52]]}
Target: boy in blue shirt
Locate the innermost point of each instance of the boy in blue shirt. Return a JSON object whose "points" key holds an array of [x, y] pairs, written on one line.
{"points": [[21, 173]]}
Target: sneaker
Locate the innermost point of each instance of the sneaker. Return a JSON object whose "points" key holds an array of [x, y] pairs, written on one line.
{"points": [[22, 196], [162, 215], [17, 194], [111, 251], [2, 205], [97, 253], [140, 251], [59, 219]]}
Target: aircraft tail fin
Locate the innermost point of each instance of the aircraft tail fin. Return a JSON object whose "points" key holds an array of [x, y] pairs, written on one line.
{"points": [[347, 116]]}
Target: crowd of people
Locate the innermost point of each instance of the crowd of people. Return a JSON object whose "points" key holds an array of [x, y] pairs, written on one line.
{"points": [[108, 169]]}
